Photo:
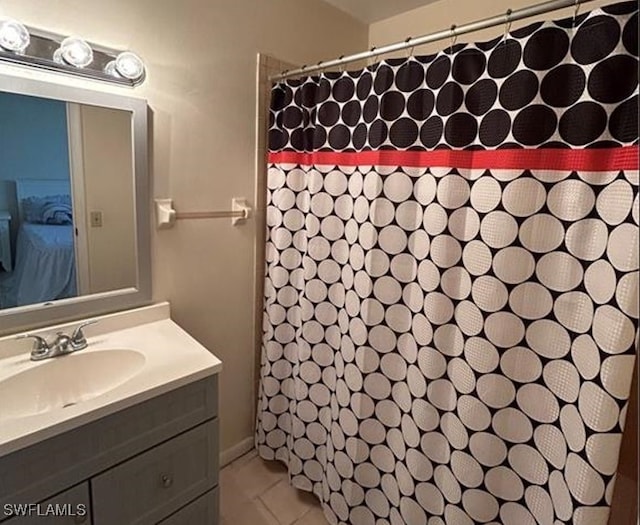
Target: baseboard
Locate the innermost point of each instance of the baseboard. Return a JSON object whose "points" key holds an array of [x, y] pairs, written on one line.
{"points": [[234, 452]]}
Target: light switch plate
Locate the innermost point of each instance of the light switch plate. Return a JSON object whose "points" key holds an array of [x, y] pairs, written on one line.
{"points": [[96, 219]]}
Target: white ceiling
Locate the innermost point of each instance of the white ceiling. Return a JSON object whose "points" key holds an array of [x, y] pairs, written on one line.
{"points": [[369, 11]]}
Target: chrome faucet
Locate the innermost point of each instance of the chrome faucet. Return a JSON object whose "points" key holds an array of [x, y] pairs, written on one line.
{"points": [[62, 344]]}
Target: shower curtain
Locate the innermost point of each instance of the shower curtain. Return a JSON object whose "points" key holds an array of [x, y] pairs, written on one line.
{"points": [[451, 295]]}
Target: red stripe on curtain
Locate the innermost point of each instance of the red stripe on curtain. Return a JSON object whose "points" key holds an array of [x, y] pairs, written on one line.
{"points": [[625, 158]]}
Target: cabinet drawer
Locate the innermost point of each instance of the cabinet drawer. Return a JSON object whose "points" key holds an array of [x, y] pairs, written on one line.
{"points": [[71, 507], [203, 511], [154, 484]]}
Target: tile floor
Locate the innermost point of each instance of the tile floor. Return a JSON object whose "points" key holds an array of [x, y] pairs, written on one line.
{"points": [[257, 492]]}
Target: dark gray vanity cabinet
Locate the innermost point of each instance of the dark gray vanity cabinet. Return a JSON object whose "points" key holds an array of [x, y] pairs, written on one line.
{"points": [[153, 463]]}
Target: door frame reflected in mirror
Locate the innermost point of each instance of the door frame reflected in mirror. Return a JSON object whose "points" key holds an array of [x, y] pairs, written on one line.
{"points": [[30, 316]]}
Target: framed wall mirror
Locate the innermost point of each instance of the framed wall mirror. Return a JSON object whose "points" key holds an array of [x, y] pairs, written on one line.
{"points": [[74, 203]]}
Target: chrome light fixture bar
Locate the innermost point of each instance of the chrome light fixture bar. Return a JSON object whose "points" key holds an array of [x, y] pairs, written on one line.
{"points": [[72, 55]]}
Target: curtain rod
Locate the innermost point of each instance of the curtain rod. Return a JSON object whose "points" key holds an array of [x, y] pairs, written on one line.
{"points": [[453, 32]]}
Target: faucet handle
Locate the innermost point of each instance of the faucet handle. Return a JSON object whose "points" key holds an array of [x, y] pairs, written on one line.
{"points": [[78, 338], [40, 344]]}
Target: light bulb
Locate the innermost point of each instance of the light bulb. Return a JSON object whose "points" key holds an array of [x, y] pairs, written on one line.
{"points": [[57, 56], [14, 36], [110, 69], [74, 51], [129, 65]]}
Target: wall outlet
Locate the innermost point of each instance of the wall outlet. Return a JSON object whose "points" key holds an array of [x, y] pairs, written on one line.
{"points": [[96, 219]]}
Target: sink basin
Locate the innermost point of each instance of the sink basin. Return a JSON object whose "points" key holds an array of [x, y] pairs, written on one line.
{"points": [[64, 381]]}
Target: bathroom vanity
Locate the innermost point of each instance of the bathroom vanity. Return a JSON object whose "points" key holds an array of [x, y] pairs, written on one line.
{"points": [[140, 447]]}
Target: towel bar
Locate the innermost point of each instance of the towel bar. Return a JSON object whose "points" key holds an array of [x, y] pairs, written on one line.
{"points": [[166, 215]]}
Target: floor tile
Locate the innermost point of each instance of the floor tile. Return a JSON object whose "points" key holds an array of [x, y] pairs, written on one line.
{"points": [[257, 492], [314, 516], [286, 503], [232, 498], [257, 475], [264, 512], [253, 513]]}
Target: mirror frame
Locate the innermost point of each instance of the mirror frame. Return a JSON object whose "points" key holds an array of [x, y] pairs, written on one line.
{"points": [[19, 318]]}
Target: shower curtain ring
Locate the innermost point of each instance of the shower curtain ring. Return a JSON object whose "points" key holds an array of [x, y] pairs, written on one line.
{"points": [[370, 61], [575, 12], [340, 58], [409, 48], [507, 25], [454, 36]]}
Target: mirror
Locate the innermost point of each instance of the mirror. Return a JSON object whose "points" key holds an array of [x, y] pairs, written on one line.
{"points": [[74, 214]]}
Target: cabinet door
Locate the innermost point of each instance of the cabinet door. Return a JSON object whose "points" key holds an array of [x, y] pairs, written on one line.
{"points": [[203, 511], [151, 486], [71, 507]]}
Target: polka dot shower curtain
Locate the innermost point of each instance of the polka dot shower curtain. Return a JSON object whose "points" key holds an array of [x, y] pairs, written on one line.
{"points": [[451, 299]]}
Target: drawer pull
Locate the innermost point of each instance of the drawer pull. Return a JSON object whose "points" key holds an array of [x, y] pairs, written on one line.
{"points": [[167, 481]]}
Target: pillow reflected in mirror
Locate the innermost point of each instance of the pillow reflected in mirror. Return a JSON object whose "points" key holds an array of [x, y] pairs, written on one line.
{"points": [[52, 209]]}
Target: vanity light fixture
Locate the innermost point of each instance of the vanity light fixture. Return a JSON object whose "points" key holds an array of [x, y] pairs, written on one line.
{"points": [[14, 36], [28, 46]]}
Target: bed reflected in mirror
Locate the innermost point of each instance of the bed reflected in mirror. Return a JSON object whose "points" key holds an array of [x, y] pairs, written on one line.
{"points": [[67, 213]]}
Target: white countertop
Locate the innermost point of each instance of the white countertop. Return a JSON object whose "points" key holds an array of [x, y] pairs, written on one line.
{"points": [[172, 359]]}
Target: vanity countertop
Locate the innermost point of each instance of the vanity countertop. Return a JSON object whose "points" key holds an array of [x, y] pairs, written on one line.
{"points": [[169, 358]]}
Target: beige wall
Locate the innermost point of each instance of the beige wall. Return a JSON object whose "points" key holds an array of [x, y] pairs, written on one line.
{"points": [[440, 15], [201, 87], [108, 188]]}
